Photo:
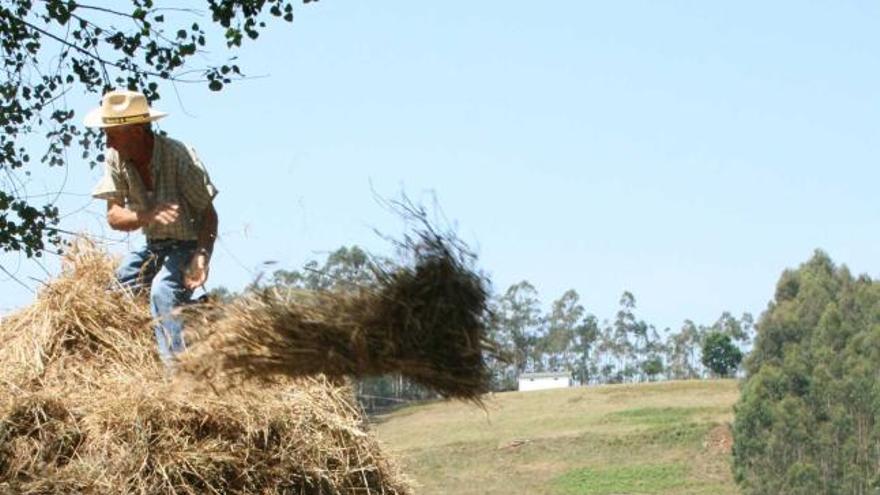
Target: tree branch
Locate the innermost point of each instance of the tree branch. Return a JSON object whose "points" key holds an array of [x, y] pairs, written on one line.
{"points": [[13, 277], [101, 9], [69, 44], [134, 67]]}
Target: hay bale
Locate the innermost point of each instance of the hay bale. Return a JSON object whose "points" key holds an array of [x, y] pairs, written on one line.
{"points": [[76, 317], [85, 407], [38, 434], [426, 319]]}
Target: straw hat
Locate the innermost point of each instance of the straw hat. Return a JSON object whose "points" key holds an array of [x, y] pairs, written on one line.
{"points": [[122, 107]]}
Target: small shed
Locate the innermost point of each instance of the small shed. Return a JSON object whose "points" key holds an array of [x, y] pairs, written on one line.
{"points": [[544, 381]]}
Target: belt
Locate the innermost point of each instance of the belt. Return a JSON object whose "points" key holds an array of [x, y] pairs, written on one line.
{"points": [[159, 244]]}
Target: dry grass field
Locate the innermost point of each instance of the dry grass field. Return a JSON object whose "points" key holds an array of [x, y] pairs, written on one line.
{"points": [[658, 438]]}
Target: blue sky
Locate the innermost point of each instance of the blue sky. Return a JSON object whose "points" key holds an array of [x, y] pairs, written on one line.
{"points": [[685, 151]]}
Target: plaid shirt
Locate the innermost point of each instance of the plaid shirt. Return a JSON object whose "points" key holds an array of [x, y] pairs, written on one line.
{"points": [[178, 177]]}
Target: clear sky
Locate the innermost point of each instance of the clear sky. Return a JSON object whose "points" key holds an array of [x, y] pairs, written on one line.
{"points": [[686, 151]]}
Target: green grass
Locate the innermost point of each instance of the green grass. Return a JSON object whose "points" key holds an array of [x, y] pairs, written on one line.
{"points": [[651, 478], [654, 415], [570, 441]]}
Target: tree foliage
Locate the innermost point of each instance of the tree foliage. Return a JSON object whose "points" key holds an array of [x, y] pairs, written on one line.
{"points": [[519, 314], [565, 316], [720, 355], [51, 47], [682, 349], [626, 349], [807, 420], [347, 267]]}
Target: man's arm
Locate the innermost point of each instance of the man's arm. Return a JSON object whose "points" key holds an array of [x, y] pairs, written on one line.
{"points": [[121, 218], [208, 230], [197, 272]]}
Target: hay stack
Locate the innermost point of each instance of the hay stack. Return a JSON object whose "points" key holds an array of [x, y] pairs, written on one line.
{"points": [[426, 319], [85, 408]]}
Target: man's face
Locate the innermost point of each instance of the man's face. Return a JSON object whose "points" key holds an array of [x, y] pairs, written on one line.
{"points": [[127, 140]]}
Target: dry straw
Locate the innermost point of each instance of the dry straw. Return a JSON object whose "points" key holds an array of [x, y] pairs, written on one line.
{"points": [[85, 408], [425, 319]]}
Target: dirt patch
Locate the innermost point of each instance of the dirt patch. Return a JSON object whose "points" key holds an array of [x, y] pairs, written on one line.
{"points": [[719, 440]]}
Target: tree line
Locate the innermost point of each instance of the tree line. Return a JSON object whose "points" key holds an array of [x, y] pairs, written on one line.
{"points": [[625, 349]]}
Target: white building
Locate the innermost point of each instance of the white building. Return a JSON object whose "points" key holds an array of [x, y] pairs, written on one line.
{"points": [[544, 381]]}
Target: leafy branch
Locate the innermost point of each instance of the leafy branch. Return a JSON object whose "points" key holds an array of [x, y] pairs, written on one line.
{"points": [[50, 47]]}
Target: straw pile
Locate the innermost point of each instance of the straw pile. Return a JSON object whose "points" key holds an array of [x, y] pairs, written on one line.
{"points": [[426, 319], [85, 408]]}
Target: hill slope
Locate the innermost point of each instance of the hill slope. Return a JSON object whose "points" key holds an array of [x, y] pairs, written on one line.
{"points": [[659, 438]]}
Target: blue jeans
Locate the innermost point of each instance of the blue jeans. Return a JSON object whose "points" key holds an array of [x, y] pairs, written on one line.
{"points": [[160, 265]]}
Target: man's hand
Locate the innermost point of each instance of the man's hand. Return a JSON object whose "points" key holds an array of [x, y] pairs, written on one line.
{"points": [[164, 213], [197, 272], [121, 218]]}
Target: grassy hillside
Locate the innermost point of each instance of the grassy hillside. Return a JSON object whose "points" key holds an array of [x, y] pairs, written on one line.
{"points": [[659, 438]]}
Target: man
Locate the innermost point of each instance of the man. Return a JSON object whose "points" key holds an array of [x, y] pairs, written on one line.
{"points": [[156, 184]]}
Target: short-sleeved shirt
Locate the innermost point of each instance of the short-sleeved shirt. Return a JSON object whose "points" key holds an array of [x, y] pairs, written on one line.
{"points": [[178, 177]]}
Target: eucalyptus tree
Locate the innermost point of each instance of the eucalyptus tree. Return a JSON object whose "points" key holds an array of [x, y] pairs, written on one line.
{"points": [[519, 314], [739, 330], [624, 326], [346, 267], [681, 352], [562, 324], [606, 352], [587, 333], [808, 419]]}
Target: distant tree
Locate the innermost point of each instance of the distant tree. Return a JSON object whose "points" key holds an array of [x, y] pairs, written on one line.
{"points": [[347, 267], [653, 367], [519, 314], [720, 354], [605, 357], [54, 47], [748, 325], [587, 333], [630, 372], [652, 351], [738, 329], [625, 325], [635, 340], [681, 350], [562, 328], [504, 374], [808, 418], [610, 374], [639, 330]]}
